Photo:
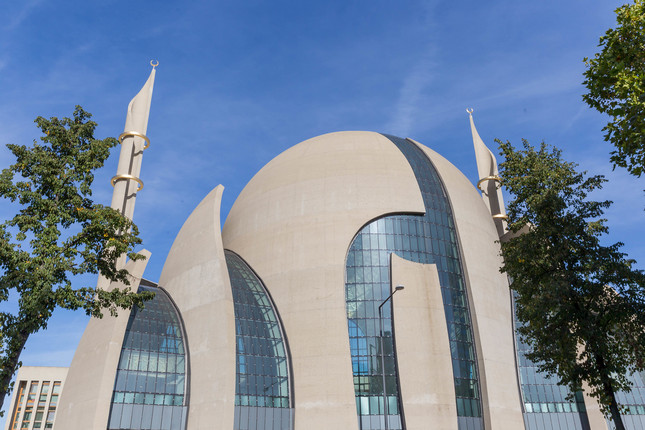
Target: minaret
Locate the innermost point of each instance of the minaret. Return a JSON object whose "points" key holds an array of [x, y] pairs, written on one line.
{"points": [[133, 141], [489, 181]]}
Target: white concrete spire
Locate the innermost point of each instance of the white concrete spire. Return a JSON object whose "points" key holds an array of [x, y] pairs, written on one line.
{"points": [[489, 181], [133, 141]]}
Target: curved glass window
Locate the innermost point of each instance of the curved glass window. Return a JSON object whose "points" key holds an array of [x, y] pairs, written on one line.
{"points": [[150, 387], [430, 239], [632, 404], [545, 402], [262, 396]]}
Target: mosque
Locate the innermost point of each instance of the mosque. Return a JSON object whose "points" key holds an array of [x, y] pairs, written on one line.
{"points": [[354, 285]]}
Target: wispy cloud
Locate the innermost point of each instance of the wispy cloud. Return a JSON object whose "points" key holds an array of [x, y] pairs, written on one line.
{"points": [[571, 121], [417, 80], [410, 96], [17, 18]]}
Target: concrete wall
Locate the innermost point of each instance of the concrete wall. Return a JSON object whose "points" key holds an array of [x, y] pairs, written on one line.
{"points": [[90, 381], [293, 224], [489, 297], [596, 419], [422, 346], [196, 277]]}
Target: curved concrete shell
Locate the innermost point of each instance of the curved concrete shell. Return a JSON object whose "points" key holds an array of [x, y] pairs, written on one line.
{"points": [[196, 277], [86, 404], [293, 224], [489, 297]]}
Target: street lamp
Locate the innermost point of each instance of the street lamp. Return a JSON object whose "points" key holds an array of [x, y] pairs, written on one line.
{"points": [[380, 319]]}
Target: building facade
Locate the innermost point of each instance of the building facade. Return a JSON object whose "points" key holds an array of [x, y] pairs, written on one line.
{"points": [[285, 319], [35, 399]]}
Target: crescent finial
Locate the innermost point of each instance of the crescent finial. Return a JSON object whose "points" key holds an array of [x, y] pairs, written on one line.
{"points": [[154, 63], [470, 111]]}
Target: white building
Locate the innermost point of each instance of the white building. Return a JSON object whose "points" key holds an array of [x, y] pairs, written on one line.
{"points": [[286, 319], [35, 397], [272, 322]]}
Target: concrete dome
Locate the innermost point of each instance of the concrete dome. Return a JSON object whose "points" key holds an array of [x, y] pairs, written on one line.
{"points": [[336, 183], [294, 222], [340, 180], [294, 310]]}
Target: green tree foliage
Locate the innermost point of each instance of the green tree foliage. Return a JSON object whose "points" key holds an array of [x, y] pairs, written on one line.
{"points": [[615, 78], [58, 232], [582, 303]]}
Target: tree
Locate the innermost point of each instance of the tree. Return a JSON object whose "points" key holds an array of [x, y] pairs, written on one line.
{"points": [[57, 233], [615, 79], [582, 304]]}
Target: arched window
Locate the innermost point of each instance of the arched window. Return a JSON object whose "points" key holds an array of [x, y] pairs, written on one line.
{"points": [[262, 395], [151, 380]]}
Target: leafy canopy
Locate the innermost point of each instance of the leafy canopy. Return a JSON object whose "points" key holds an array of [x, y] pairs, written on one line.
{"points": [[615, 79], [582, 304], [58, 232]]}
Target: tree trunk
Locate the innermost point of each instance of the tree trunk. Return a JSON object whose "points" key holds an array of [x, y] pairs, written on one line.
{"points": [[609, 392], [10, 362], [613, 407]]}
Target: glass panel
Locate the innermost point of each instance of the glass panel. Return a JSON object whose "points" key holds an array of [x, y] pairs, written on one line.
{"points": [[541, 394], [148, 373], [262, 378], [50, 418], [18, 406], [634, 402], [26, 419], [33, 389]]}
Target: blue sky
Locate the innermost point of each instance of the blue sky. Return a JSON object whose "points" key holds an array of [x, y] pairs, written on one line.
{"points": [[240, 82]]}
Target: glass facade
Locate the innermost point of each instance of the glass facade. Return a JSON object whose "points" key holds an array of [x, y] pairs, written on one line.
{"points": [[262, 395], [545, 402], [151, 379], [632, 404], [430, 239], [546, 406]]}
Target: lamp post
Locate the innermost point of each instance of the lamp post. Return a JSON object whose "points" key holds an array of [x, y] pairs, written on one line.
{"points": [[380, 319]]}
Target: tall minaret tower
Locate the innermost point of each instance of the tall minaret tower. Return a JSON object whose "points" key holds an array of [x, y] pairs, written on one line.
{"points": [[133, 141], [489, 180], [87, 395]]}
